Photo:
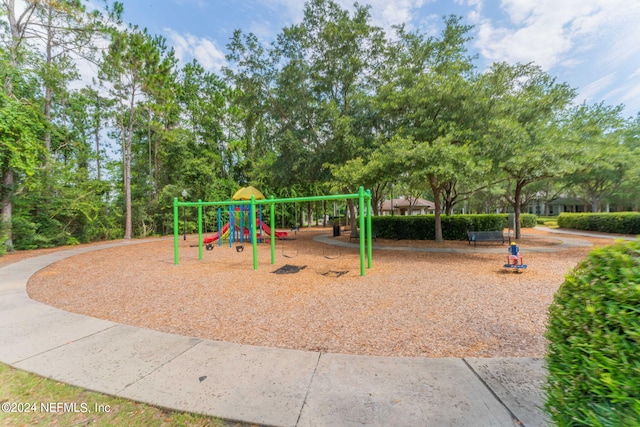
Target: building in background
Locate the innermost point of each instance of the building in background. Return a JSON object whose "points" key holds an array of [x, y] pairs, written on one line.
{"points": [[407, 206]]}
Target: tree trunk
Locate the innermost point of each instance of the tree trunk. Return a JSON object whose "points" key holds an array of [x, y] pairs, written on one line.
{"points": [[324, 213], [7, 206], [352, 214], [48, 91], [17, 27], [516, 208], [436, 200], [150, 148], [156, 163], [97, 139], [127, 195], [126, 175], [438, 216], [595, 203]]}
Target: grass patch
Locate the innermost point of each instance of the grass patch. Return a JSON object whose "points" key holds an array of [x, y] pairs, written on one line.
{"points": [[34, 400], [548, 221]]}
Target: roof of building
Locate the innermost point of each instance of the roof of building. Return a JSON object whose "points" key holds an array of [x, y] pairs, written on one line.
{"points": [[568, 201], [401, 203]]}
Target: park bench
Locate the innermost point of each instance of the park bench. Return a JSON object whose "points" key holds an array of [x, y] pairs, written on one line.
{"points": [[485, 236]]}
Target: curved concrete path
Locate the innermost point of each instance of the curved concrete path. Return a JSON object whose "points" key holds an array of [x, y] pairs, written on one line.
{"points": [[267, 386]]}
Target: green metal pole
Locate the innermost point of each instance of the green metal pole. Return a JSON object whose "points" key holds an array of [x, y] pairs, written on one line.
{"points": [[369, 234], [232, 226], [272, 224], [175, 231], [199, 229], [254, 235], [361, 214]]}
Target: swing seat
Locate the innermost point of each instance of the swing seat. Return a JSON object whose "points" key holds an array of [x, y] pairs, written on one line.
{"points": [[239, 248]]}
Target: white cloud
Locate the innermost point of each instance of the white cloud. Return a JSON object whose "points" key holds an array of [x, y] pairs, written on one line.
{"points": [[293, 9], [264, 30], [589, 92], [188, 46], [394, 12], [549, 32], [631, 97], [620, 30]]}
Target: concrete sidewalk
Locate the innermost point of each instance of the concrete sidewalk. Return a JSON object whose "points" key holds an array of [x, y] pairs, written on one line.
{"points": [[267, 386], [598, 235]]}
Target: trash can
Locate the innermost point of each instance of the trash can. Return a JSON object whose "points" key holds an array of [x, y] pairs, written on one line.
{"points": [[336, 231]]}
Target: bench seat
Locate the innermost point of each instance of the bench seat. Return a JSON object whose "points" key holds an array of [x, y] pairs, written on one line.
{"points": [[485, 236]]}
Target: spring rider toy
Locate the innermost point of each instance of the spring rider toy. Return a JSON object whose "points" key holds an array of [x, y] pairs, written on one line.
{"points": [[514, 260]]}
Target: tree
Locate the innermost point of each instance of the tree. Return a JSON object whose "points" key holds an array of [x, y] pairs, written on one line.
{"points": [[428, 95], [131, 64], [14, 54], [21, 151], [627, 196], [308, 92], [524, 137], [604, 160], [68, 33], [254, 112]]}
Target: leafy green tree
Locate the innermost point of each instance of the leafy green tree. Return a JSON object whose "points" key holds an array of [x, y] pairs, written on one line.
{"points": [[427, 93], [203, 98], [627, 195], [68, 32], [44, 38], [307, 93], [604, 160], [21, 151], [254, 113], [131, 64], [524, 136], [15, 56]]}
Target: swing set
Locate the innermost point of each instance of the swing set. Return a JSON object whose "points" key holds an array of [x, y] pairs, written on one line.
{"points": [[364, 207]]}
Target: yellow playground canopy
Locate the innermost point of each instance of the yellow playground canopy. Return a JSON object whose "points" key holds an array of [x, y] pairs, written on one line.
{"points": [[245, 193]]}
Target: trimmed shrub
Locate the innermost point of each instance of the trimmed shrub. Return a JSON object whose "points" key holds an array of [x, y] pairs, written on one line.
{"points": [[422, 227], [454, 227], [618, 222], [528, 220], [594, 341]]}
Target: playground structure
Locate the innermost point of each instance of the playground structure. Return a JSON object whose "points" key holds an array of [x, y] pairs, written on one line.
{"points": [[251, 201], [514, 259], [238, 228]]}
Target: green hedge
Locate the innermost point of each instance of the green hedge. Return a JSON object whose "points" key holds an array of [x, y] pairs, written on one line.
{"points": [[454, 227], [619, 222], [594, 341], [528, 220]]}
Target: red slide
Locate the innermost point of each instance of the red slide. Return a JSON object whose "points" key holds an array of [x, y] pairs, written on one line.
{"points": [[215, 237], [279, 234]]}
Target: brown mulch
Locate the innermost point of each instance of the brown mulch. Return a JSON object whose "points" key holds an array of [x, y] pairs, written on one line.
{"points": [[422, 304]]}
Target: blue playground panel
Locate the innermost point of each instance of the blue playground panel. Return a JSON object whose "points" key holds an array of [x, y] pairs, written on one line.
{"points": [[516, 266]]}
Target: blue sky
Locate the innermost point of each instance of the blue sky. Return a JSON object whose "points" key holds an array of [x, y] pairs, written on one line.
{"points": [[593, 45]]}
